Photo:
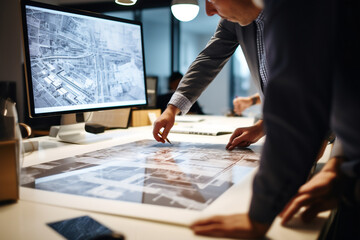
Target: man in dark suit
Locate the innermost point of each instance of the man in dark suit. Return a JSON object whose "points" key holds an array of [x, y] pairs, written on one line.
{"points": [[313, 86], [322, 60]]}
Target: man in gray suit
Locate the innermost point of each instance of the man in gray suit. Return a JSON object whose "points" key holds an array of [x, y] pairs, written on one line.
{"points": [[244, 29]]}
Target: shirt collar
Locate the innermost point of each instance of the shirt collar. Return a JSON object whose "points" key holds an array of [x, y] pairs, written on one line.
{"points": [[260, 18]]}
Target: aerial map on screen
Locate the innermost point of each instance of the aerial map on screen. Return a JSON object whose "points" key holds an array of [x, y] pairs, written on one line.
{"points": [[182, 175], [82, 60]]}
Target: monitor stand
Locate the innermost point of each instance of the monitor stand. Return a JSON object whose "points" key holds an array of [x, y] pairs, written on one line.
{"points": [[75, 133]]}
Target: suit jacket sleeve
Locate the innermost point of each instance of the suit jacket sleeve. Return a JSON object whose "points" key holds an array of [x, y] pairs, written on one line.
{"points": [[206, 66]]}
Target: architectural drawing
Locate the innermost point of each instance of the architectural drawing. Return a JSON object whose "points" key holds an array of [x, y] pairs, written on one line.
{"points": [[182, 175]]}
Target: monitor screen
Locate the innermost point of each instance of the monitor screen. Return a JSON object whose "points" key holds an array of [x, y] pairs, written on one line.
{"points": [[80, 61]]}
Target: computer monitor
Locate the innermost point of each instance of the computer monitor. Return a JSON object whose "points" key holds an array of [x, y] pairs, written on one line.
{"points": [[79, 61]]}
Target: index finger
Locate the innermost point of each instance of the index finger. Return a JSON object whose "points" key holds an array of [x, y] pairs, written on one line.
{"points": [[156, 130], [231, 139], [235, 134], [166, 130]]}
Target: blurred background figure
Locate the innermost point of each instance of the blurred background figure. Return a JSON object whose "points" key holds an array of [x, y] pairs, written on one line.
{"points": [[163, 100], [243, 103]]}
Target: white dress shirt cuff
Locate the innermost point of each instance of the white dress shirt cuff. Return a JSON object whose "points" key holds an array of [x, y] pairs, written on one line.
{"points": [[181, 102]]}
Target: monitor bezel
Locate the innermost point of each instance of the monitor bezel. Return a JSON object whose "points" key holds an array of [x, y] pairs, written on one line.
{"points": [[27, 63]]}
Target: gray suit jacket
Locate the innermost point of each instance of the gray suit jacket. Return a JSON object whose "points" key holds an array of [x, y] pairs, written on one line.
{"points": [[210, 61]]}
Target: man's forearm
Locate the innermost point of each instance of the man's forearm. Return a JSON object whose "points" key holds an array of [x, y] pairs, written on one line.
{"points": [[173, 109]]}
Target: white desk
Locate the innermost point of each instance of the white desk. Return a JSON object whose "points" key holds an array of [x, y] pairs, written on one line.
{"points": [[27, 220]]}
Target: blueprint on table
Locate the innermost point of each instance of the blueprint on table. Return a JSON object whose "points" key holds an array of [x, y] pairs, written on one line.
{"points": [[182, 175]]}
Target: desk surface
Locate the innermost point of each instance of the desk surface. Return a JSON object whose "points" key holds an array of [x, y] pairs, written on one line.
{"points": [[27, 220]]}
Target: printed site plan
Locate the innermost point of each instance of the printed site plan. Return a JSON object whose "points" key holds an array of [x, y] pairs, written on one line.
{"points": [[182, 175]]}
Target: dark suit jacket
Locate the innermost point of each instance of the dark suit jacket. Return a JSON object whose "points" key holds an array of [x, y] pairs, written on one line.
{"points": [[313, 85]]}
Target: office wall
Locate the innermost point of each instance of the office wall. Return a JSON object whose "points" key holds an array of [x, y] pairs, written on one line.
{"points": [[194, 37], [215, 99], [10, 49], [157, 31]]}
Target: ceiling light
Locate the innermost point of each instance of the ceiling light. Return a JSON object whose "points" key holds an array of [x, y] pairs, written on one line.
{"points": [[185, 10], [126, 2], [259, 3]]}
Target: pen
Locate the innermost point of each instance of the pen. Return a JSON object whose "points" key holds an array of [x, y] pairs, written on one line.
{"points": [[160, 132]]}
